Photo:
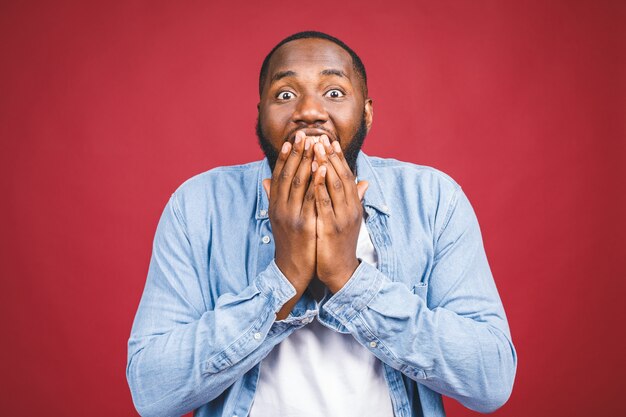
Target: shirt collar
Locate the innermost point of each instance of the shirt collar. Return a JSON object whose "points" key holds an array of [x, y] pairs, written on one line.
{"points": [[374, 196]]}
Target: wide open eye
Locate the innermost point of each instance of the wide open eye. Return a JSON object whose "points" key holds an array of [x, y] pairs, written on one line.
{"points": [[334, 94], [285, 95]]}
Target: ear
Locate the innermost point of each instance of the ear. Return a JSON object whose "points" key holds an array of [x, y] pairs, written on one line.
{"points": [[369, 113]]}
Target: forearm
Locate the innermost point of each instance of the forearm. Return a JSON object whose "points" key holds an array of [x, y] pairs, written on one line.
{"points": [[469, 358], [172, 372]]}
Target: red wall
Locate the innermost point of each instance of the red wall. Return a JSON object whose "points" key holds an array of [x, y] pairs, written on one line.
{"points": [[105, 108]]}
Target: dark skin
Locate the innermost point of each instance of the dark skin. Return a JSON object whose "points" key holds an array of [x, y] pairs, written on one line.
{"points": [[310, 108]]}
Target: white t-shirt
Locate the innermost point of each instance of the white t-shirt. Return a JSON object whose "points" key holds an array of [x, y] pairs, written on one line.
{"points": [[318, 372]]}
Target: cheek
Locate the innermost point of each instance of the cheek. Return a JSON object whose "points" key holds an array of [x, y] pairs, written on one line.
{"points": [[347, 122], [274, 121]]}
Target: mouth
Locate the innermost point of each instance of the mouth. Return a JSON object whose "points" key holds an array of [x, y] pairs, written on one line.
{"points": [[311, 132]]}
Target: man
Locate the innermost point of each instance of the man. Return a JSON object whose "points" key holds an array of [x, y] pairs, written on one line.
{"points": [[320, 281]]}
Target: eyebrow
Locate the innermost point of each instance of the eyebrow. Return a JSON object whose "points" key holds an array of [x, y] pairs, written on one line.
{"points": [[283, 74], [333, 71]]}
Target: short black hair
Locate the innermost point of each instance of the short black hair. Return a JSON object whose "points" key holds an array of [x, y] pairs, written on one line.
{"points": [[356, 61]]}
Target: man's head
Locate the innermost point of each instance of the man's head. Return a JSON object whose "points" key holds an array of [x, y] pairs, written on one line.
{"points": [[313, 82]]}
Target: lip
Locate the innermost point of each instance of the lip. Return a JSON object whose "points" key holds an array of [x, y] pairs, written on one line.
{"points": [[312, 132]]}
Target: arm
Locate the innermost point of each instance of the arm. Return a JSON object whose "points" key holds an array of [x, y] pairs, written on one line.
{"points": [[461, 345], [181, 356]]}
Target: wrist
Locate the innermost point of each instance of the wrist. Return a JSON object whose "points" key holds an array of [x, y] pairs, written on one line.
{"points": [[298, 277], [338, 279]]}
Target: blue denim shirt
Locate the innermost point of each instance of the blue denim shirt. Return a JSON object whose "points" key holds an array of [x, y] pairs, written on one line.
{"points": [[430, 311]]}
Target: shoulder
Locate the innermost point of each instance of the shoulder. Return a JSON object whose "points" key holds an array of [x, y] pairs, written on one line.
{"points": [[420, 178], [216, 176], [233, 184]]}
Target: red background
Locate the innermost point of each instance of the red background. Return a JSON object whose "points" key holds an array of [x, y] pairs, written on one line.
{"points": [[105, 108]]}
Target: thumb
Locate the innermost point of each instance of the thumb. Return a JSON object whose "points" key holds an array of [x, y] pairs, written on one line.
{"points": [[361, 188], [266, 186]]}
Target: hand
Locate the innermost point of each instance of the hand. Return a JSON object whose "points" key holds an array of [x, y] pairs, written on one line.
{"points": [[292, 215], [339, 215]]}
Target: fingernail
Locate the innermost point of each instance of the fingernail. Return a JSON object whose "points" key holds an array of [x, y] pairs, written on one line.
{"points": [[336, 146], [325, 139], [321, 150], [314, 166], [323, 170], [307, 144], [285, 147], [298, 139]]}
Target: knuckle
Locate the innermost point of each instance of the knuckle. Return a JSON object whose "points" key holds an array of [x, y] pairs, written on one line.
{"points": [[296, 181], [347, 175], [298, 225], [325, 201], [337, 184]]}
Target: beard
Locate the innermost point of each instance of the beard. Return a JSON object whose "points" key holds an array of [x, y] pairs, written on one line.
{"points": [[350, 153]]}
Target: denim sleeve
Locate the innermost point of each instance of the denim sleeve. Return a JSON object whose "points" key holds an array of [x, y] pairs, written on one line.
{"points": [[180, 355], [456, 340]]}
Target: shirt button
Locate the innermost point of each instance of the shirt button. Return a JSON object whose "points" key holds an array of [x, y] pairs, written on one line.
{"points": [[373, 344], [263, 212], [265, 239], [257, 336]]}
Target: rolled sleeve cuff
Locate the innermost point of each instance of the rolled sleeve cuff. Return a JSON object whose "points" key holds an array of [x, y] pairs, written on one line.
{"points": [[365, 283], [275, 286]]}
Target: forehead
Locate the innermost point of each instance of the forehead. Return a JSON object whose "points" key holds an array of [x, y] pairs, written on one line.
{"points": [[311, 54]]}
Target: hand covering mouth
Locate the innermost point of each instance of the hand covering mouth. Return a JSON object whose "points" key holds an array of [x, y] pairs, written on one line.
{"points": [[311, 132]]}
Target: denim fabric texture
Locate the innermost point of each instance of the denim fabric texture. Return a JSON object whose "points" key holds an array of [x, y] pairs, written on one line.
{"points": [[430, 311]]}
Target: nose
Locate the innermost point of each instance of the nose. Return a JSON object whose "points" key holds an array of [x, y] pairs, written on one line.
{"points": [[310, 110]]}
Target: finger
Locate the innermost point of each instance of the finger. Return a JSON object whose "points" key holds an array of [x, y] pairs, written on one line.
{"points": [[323, 203], [334, 185], [308, 205], [300, 181], [314, 140], [266, 186], [335, 188], [338, 161], [283, 182], [280, 161], [337, 158], [361, 188], [342, 172]]}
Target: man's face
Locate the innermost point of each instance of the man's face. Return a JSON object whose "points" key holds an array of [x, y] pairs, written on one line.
{"points": [[312, 86]]}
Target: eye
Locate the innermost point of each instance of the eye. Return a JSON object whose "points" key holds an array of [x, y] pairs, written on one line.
{"points": [[334, 94], [285, 95]]}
